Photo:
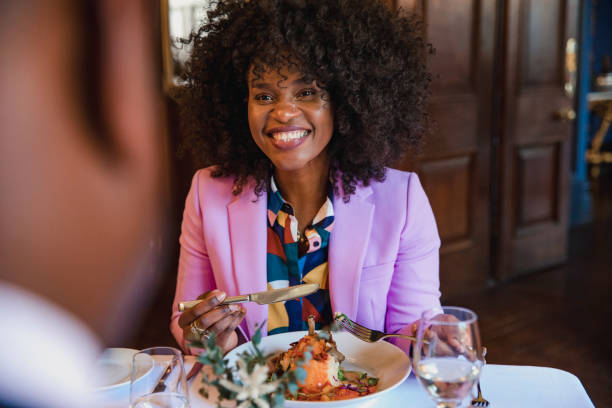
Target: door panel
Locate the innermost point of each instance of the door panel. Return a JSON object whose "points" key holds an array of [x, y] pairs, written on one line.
{"points": [[454, 168], [537, 202], [535, 144], [446, 177]]}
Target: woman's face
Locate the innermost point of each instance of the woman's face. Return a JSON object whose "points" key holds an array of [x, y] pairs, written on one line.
{"points": [[290, 120]]}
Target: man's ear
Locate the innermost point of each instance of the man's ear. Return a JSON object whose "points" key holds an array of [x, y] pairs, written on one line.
{"points": [[130, 91]]}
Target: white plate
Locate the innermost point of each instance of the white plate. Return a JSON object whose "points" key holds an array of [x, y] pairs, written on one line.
{"points": [[382, 360], [113, 368]]}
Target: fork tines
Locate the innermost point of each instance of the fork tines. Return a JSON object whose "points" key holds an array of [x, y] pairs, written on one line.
{"points": [[355, 329]]}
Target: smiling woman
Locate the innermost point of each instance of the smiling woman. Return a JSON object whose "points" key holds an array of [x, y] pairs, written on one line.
{"points": [[301, 106], [291, 120]]}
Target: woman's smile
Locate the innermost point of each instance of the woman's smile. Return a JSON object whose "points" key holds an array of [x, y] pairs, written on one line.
{"points": [[287, 137]]}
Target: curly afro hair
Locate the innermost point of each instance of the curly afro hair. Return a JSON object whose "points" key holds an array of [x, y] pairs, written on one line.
{"points": [[370, 59]]}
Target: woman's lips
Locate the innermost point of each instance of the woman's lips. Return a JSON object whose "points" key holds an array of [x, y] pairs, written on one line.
{"points": [[288, 139]]}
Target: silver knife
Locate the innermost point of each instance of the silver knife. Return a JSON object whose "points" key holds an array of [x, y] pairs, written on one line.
{"points": [[263, 298], [161, 384]]}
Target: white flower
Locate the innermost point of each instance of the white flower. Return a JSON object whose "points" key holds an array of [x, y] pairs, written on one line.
{"points": [[254, 385]]}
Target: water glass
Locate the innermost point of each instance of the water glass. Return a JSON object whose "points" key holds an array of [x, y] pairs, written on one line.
{"points": [[448, 357], [164, 385]]}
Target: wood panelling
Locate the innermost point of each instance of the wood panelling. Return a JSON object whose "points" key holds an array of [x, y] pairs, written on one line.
{"points": [[452, 177], [537, 199], [540, 54], [456, 124], [534, 167], [458, 49], [455, 165]]}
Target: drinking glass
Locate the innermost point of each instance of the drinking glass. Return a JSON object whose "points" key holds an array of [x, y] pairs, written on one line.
{"points": [[447, 357], [165, 385]]}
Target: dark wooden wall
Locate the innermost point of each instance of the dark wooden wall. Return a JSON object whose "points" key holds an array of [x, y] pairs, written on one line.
{"points": [[455, 166], [496, 169]]}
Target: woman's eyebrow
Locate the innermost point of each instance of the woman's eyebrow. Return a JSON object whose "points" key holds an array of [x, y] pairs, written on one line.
{"points": [[261, 85], [269, 86]]}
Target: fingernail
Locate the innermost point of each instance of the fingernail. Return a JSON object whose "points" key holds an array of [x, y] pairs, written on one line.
{"points": [[235, 308], [219, 295]]}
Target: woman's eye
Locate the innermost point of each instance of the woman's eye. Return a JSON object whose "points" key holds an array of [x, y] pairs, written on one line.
{"points": [[263, 97], [305, 93]]}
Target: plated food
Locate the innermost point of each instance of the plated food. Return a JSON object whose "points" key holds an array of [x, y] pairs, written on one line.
{"points": [[326, 379], [381, 360]]}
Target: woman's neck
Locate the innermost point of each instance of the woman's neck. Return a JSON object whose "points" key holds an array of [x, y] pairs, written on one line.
{"points": [[305, 189]]}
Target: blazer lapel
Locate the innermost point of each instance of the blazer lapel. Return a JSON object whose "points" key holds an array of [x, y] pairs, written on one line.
{"points": [[247, 225], [347, 246]]}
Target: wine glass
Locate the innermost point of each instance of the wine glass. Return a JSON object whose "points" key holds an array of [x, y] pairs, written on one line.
{"points": [[448, 357], [164, 385]]}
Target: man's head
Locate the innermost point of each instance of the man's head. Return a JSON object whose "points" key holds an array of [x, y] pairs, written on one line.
{"points": [[79, 153]]}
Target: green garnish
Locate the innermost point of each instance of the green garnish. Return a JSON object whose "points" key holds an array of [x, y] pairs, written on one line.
{"points": [[340, 374], [342, 316], [242, 382], [372, 381]]}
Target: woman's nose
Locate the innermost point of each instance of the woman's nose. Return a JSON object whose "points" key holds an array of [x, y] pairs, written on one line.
{"points": [[285, 111]]}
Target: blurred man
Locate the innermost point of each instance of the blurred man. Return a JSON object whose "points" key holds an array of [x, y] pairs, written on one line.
{"points": [[79, 171]]}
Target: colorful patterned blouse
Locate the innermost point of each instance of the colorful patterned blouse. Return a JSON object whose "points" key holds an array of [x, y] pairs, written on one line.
{"points": [[288, 265]]}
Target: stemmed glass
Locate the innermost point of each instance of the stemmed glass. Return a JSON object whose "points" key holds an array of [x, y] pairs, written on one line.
{"points": [[165, 386], [448, 357]]}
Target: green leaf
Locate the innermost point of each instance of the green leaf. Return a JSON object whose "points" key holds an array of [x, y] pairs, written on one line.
{"points": [[279, 400], [293, 388], [218, 369], [300, 374], [372, 381], [211, 341], [257, 337], [340, 374]]}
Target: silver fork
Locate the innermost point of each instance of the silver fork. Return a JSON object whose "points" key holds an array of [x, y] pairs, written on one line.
{"points": [[365, 334], [479, 401]]}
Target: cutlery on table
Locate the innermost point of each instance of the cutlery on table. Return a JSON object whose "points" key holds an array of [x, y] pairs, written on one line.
{"points": [[263, 298], [365, 334], [197, 366], [479, 401], [161, 383]]}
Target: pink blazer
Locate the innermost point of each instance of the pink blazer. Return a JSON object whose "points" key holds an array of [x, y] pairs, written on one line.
{"points": [[383, 251]]}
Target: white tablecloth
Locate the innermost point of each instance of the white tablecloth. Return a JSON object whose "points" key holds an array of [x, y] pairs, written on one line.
{"points": [[504, 386]]}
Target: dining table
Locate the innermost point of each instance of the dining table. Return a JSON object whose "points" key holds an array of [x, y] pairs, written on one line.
{"points": [[504, 386]]}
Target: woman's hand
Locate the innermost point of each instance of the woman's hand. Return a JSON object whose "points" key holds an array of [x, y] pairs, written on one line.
{"points": [[209, 316], [447, 339]]}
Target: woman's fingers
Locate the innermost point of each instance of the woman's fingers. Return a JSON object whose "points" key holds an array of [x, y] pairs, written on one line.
{"points": [[208, 320], [228, 338], [210, 300]]}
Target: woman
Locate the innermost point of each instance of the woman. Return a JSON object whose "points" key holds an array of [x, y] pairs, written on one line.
{"points": [[302, 105]]}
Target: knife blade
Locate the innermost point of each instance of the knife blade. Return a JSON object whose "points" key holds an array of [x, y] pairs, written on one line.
{"points": [[161, 383], [262, 298]]}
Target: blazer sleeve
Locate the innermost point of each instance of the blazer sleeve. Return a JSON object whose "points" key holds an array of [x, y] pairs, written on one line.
{"points": [[195, 275], [415, 286]]}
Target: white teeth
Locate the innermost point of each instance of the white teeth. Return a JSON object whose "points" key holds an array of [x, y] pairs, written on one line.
{"points": [[286, 136]]}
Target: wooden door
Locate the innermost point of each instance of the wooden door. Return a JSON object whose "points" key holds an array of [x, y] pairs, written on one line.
{"points": [[534, 168], [454, 169]]}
